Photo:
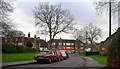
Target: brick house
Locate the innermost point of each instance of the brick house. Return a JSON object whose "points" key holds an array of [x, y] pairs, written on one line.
{"points": [[95, 48], [36, 41], [104, 44], [66, 44]]}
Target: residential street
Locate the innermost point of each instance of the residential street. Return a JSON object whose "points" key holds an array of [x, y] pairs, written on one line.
{"points": [[72, 62]]}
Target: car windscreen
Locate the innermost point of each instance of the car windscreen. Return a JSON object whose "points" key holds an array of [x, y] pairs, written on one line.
{"points": [[63, 53]]}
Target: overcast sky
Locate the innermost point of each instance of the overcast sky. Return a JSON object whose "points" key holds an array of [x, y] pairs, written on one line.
{"points": [[83, 11]]}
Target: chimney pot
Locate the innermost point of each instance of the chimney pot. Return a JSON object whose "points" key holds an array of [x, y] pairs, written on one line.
{"points": [[28, 34], [34, 36]]}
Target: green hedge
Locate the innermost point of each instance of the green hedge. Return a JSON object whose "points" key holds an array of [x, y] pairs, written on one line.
{"points": [[11, 48], [114, 51]]}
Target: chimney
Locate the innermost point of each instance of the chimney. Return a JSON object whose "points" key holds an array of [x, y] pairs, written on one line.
{"points": [[35, 42], [39, 37], [34, 36], [29, 34]]}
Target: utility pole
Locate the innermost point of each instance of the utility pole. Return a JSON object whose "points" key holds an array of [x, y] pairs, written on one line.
{"points": [[110, 20]]}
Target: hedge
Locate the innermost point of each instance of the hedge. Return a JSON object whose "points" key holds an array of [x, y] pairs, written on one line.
{"points": [[11, 48], [91, 53], [114, 51]]}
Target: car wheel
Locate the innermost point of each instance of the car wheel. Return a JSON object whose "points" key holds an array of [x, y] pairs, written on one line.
{"points": [[49, 61], [59, 59], [38, 62]]}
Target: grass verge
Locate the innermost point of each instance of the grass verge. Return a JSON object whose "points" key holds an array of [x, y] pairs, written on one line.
{"points": [[76, 54], [99, 58], [17, 57]]}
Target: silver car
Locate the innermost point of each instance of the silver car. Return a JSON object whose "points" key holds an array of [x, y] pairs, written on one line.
{"points": [[64, 54]]}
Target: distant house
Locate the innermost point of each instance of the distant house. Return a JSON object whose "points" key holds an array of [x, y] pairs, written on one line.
{"points": [[105, 44], [65, 44], [37, 42], [95, 48], [104, 47]]}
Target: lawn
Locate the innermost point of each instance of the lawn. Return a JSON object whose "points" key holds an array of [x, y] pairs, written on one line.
{"points": [[99, 58], [0, 57], [17, 57], [76, 54]]}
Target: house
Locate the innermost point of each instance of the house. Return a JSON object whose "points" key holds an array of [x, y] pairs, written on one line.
{"points": [[105, 44], [104, 47], [65, 44], [36, 41], [95, 48]]}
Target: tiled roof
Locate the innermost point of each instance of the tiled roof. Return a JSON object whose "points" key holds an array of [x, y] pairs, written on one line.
{"points": [[63, 40]]}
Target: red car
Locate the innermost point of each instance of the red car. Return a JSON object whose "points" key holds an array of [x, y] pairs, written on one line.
{"points": [[48, 56], [59, 55]]}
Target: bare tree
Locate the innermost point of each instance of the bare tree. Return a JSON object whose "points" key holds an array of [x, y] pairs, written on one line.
{"points": [[108, 6], [78, 34], [52, 19], [102, 6], [5, 22], [92, 32]]}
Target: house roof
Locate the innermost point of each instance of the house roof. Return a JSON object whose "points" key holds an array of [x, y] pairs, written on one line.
{"points": [[43, 43], [118, 31], [63, 40]]}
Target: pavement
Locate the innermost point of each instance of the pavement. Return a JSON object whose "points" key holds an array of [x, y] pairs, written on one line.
{"points": [[8, 64], [92, 63], [89, 63]]}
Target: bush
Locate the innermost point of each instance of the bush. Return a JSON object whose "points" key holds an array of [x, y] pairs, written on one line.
{"points": [[91, 53], [11, 48], [114, 52], [29, 44]]}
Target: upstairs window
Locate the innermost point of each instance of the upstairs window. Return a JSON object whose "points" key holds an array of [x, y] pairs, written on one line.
{"points": [[60, 43], [68, 44], [53, 43], [64, 44], [72, 44]]}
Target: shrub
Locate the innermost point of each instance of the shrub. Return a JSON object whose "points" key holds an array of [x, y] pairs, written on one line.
{"points": [[29, 44], [114, 52], [91, 53], [11, 48]]}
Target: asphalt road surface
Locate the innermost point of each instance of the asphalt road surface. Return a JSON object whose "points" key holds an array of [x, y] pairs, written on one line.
{"points": [[70, 63]]}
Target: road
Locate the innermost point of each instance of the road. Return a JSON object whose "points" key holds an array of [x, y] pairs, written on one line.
{"points": [[72, 62]]}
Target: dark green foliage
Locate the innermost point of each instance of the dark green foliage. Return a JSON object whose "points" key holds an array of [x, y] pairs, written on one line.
{"points": [[91, 53], [29, 44], [37, 50], [114, 51], [11, 48]]}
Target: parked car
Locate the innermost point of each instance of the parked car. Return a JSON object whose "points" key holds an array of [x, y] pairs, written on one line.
{"points": [[59, 55], [64, 54], [48, 56]]}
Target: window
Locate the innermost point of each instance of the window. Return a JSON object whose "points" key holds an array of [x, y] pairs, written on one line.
{"points": [[64, 44], [60, 43], [81, 47], [53, 43], [103, 48], [72, 44], [81, 44], [19, 43], [68, 44]]}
